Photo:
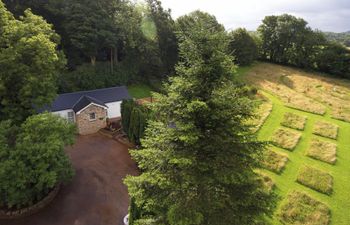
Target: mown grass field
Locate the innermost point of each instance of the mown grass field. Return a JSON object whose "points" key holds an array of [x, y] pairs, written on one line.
{"points": [[338, 200]]}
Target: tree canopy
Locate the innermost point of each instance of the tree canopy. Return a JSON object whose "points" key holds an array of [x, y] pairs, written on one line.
{"points": [[33, 160], [243, 47], [198, 156], [30, 63]]}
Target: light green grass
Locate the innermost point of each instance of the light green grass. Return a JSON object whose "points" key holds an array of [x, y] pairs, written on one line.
{"points": [[339, 201], [140, 91]]}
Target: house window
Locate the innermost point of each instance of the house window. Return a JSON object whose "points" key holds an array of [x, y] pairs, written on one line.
{"points": [[70, 117], [92, 116]]}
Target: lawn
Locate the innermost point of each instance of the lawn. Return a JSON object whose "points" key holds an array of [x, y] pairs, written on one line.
{"points": [[286, 182], [140, 91]]}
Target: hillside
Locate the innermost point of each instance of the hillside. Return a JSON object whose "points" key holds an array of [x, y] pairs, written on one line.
{"points": [[343, 38], [307, 161]]}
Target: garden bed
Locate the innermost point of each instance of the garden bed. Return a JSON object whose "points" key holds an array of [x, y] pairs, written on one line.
{"points": [[299, 208], [316, 179], [294, 121], [286, 139], [323, 151], [325, 129], [274, 161]]}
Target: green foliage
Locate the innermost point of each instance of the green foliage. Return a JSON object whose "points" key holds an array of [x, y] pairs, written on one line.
{"points": [[134, 119], [199, 129], [243, 47], [30, 62], [288, 40], [35, 162]]}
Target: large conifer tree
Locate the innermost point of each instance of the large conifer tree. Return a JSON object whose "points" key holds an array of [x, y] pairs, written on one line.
{"points": [[199, 157]]}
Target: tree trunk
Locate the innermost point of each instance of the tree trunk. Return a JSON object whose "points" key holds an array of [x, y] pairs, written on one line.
{"points": [[116, 61], [112, 61], [93, 60]]}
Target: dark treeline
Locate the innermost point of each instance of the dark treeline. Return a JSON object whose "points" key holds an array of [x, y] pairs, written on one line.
{"points": [[113, 42], [108, 42], [288, 40]]}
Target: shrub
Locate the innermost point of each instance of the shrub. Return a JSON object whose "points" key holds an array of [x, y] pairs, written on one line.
{"points": [[286, 139], [134, 118], [325, 129], [37, 162], [294, 121], [299, 208], [323, 150], [316, 179], [274, 161]]}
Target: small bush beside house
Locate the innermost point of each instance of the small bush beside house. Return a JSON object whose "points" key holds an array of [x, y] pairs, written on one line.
{"points": [[134, 118], [33, 160]]}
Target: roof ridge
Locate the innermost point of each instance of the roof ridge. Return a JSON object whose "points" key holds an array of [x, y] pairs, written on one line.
{"points": [[99, 89]]}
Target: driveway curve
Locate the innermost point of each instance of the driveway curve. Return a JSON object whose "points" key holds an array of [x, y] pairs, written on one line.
{"points": [[96, 195]]}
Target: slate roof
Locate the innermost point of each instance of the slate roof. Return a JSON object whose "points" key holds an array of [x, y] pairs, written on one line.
{"points": [[85, 101], [76, 100]]}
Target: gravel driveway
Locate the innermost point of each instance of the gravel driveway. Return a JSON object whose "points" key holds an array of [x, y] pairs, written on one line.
{"points": [[97, 195]]}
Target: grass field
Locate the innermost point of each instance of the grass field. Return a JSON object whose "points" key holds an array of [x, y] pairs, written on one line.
{"points": [[286, 182], [139, 91]]}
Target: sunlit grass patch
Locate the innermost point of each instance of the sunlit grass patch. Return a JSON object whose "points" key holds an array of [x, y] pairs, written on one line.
{"points": [[286, 139], [294, 121], [268, 183], [325, 129], [323, 151], [274, 161], [262, 113], [301, 209], [316, 179]]}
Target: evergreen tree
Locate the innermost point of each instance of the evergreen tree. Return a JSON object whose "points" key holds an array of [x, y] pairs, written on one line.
{"points": [[198, 156]]}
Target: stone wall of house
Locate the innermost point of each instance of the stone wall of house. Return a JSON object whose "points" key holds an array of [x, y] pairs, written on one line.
{"points": [[85, 125]]}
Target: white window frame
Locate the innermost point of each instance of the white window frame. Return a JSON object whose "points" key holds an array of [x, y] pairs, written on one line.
{"points": [[70, 117], [93, 113]]}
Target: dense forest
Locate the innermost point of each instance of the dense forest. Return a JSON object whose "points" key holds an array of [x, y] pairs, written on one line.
{"points": [[112, 42]]}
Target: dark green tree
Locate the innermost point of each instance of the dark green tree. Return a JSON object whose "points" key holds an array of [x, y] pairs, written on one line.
{"points": [[243, 47], [198, 156], [36, 161], [29, 62], [334, 59], [185, 24]]}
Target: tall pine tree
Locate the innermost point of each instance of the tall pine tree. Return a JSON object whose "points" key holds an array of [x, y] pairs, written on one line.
{"points": [[199, 157]]}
